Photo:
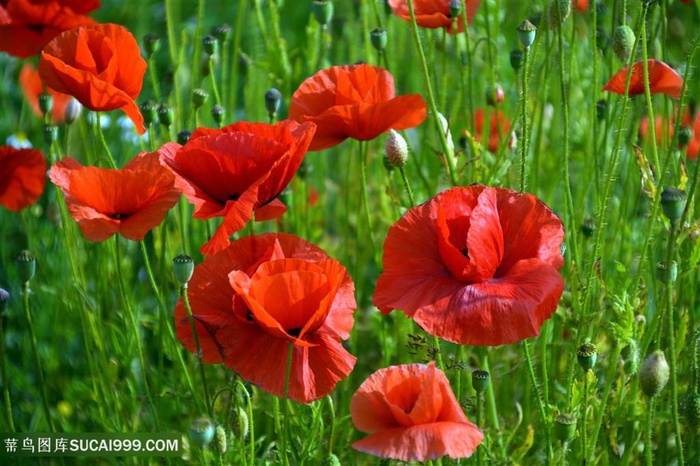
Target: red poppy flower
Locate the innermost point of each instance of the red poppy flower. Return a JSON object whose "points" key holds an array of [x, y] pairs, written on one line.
{"points": [[22, 177], [498, 119], [32, 87], [412, 414], [694, 123], [433, 14], [580, 5], [28, 25], [475, 266], [232, 171], [662, 80], [355, 101], [131, 201], [263, 293], [101, 66]]}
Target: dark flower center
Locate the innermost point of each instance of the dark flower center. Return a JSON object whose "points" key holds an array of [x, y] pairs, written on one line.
{"points": [[294, 332], [233, 197]]}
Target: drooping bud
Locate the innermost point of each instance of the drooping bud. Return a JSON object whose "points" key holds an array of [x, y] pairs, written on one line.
{"points": [[151, 44], [72, 111], [220, 436], [395, 149], [202, 431], [238, 423], [623, 42], [526, 33], [654, 374]]}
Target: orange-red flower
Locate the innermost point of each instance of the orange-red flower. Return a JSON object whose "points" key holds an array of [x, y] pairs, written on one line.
{"points": [[475, 266], [101, 66], [27, 25], [662, 80], [435, 14], [131, 201], [412, 414], [232, 171], [22, 177], [355, 101], [693, 147], [32, 87], [263, 293], [580, 5], [498, 119]]}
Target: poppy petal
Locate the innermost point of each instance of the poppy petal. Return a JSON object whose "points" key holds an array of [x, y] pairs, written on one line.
{"points": [[22, 177], [662, 80]]}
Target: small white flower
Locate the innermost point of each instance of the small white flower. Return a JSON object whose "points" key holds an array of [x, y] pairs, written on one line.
{"points": [[18, 141]]}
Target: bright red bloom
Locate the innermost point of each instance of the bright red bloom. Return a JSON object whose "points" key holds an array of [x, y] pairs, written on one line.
{"points": [[131, 201], [412, 414], [101, 66], [263, 293], [232, 171], [32, 87], [433, 14], [662, 80], [475, 266], [28, 25], [22, 177], [580, 5], [354, 101], [498, 119]]}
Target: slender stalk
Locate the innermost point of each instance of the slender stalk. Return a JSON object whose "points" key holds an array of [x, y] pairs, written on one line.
{"points": [[479, 422], [584, 421], [131, 321], [365, 201], [5, 379], [154, 78], [523, 119], [202, 373], [491, 410], [212, 78], [449, 155], [35, 353], [407, 185], [285, 405], [538, 396], [648, 424], [97, 127]]}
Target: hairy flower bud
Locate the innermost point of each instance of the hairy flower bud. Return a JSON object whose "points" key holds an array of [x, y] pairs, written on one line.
{"points": [[395, 149], [654, 374]]}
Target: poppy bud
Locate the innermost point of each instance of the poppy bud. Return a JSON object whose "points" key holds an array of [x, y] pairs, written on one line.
{"points": [[565, 427], [323, 11], [50, 133], [220, 437], [685, 134], [26, 265], [395, 149], [666, 274], [558, 11], [238, 423], [601, 109], [202, 431], [149, 110], [378, 38], [691, 409], [72, 111], [151, 43], [586, 355], [673, 203], [210, 44], [222, 32], [273, 98], [480, 380], [199, 96], [4, 299], [330, 460], [45, 102], [218, 113], [183, 136], [654, 374], [165, 115], [183, 267], [494, 94], [623, 42], [517, 57], [526, 33], [588, 227], [455, 8]]}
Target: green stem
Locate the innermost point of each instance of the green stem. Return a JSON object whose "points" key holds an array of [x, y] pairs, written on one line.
{"points": [[479, 422], [523, 120], [202, 373], [212, 78], [285, 405], [154, 78], [648, 423], [449, 155], [491, 410], [407, 185], [538, 396], [365, 202], [97, 127], [5, 379], [35, 353], [135, 329], [584, 423]]}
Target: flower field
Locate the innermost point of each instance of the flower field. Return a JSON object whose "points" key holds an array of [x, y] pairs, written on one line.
{"points": [[351, 232]]}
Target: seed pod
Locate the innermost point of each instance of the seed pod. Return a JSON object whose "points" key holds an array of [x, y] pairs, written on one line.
{"points": [[654, 374]]}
